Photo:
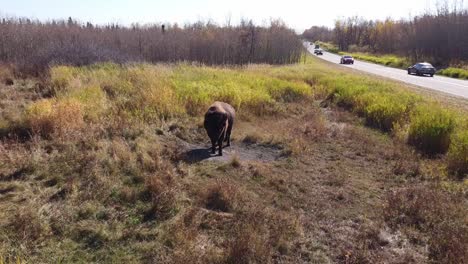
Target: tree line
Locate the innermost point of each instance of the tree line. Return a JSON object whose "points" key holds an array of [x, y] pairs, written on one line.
{"points": [[441, 36], [31, 45]]}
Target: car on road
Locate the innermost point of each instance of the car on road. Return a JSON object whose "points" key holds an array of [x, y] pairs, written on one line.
{"points": [[318, 51], [347, 59], [422, 68]]}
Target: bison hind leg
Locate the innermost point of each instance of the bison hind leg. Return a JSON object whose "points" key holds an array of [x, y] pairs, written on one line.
{"points": [[228, 135]]}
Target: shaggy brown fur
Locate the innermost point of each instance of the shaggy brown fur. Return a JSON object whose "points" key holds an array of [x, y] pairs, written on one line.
{"points": [[219, 120]]}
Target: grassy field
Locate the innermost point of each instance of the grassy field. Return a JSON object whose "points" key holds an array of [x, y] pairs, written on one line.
{"points": [[107, 163]]}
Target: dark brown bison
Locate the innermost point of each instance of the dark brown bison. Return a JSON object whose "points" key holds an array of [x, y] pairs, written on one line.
{"points": [[219, 120]]}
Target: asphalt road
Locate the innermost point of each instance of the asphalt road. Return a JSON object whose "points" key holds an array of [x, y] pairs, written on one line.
{"points": [[439, 83]]}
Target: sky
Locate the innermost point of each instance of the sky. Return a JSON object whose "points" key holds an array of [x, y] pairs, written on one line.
{"points": [[297, 14]]}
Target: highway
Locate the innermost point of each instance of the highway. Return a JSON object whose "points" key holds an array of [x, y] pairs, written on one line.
{"points": [[443, 84]]}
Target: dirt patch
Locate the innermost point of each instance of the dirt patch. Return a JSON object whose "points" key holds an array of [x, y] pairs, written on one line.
{"points": [[246, 152]]}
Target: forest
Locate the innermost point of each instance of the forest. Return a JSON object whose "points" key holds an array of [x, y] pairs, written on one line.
{"points": [[32, 46]]}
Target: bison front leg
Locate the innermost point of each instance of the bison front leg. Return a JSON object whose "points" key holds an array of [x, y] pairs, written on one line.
{"points": [[213, 146], [220, 145]]}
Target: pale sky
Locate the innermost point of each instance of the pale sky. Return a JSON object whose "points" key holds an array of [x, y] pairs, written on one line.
{"points": [[298, 14]]}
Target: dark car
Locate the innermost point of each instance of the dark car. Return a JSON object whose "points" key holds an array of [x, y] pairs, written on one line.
{"points": [[346, 59], [422, 68]]}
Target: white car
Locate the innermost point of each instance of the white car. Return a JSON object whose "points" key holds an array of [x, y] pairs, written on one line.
{"points": [[318, 51]]}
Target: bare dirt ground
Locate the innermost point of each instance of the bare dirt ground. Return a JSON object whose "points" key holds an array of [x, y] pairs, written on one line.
{"points": [[240, 151]]}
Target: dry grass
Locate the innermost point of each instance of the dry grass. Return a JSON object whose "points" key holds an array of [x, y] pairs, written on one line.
{"points": [[222, 196], [114, 186], [163, 199], [49, 118], [436, 213]]}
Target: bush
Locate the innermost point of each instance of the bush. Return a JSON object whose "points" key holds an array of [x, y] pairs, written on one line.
{"points": [[458, 154], [431, 128]]}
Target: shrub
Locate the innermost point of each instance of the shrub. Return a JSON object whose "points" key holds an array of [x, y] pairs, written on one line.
{"points": [[430, 128], [458, 154]]}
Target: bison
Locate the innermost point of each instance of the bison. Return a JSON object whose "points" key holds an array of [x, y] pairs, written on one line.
{"points": [[219, 120]]}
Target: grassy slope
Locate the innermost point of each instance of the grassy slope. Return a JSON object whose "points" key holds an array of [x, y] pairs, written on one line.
{"points": [[104, 178]]}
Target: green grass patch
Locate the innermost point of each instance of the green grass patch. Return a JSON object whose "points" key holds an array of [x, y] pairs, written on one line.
{"points": [[430, 128], [458, 154], [150, 92]]}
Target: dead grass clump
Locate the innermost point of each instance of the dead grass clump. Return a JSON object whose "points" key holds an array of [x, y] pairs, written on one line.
{"points": [[27, 225], [235, 161], [163, 199], [6, 75], [366, 246], [284, 228], [448, 243], [9, 81], [222, 196], [50, 118], [261, 234], [253, 138], [249, 246], [314, 126], [94, 237], [406, 162], [439, 215]]}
